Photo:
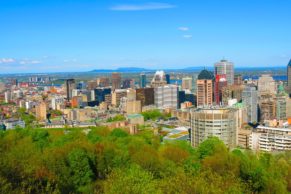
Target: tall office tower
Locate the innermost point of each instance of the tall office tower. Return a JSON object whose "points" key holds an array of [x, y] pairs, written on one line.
{"points": [[181, 98], [159, 79], [117, 94], [100, 93], [204, 85], [132, 106], [70, 85], [142, 80], [116, 81], [103, 82], [220, 83], [217, 122], [168, 78], [227, 68], [146, 96], [187, 83], [41, 111], [238, 80], [267, 85], [128, 83], [166, 96], [250, 100], [267, 107], [289, 77]]}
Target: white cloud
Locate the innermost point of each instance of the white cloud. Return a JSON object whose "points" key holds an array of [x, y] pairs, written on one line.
{"points": [[187, 36], [183, 28], [29, 62], [141, 7], [7, 60]]}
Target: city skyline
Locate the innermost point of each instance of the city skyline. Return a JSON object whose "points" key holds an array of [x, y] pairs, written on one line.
{"points": [[67, 36]]}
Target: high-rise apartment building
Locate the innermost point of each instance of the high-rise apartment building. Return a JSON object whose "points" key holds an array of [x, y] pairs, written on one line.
{"points": [[116, 81], [217, 122], [70, 85], [166, 96], [187, 83], [146, 96], [142, 80], [204, 92], [204, 88], [225, 67], [250, 100], [159, 79]]}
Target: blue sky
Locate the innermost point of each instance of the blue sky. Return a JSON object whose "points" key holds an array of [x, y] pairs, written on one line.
{"points": [[81, 35]]}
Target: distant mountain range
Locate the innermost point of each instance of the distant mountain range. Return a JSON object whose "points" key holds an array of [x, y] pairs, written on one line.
{"points": [[137, 69]]}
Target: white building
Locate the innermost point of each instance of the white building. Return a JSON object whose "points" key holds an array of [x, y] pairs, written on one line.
{"points": [[57, 101], [267, 85], [270, 139], [166, 96], [218, 122]]}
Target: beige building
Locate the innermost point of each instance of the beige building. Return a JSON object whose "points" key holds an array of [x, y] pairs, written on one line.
{"points": [[187, 83], [117, 95], [41, 111], [218, 122], [204, 92], [267, 85]]}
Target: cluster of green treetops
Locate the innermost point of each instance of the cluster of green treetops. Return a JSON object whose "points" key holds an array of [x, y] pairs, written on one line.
{"points": [[103, 161]]}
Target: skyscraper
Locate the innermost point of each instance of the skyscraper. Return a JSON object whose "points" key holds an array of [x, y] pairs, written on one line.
{"points": [[227, 68], [70, 85], [220, 83], [289, 77], [204, 88], [267, 85], [116, 81], [146, 96], [143, 80], [166, 96], [168, 78], [250, 100], [159, 79]]}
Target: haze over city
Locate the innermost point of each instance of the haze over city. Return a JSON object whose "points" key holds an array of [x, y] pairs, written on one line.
{"points": [[82, 35]]}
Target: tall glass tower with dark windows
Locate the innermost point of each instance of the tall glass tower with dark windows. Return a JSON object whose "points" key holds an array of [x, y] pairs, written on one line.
{"points": [[143, 80], [289, 77]]}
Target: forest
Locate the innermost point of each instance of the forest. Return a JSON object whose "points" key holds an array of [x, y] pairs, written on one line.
{"points": [[99, 160]]}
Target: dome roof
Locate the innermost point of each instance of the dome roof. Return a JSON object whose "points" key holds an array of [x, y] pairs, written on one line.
{"points": [[204, 74]]}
